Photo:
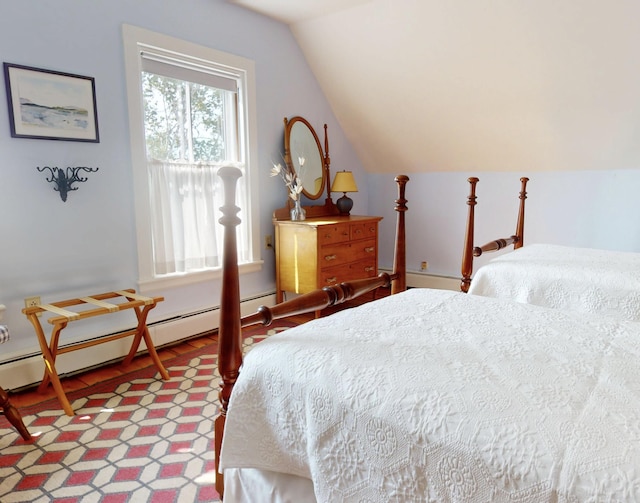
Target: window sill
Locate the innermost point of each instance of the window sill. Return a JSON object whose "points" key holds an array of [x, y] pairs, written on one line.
{"points": [[175, 280]]}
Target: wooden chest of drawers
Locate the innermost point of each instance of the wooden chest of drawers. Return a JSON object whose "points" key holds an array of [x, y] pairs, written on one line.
{"points": [[320, 252]]}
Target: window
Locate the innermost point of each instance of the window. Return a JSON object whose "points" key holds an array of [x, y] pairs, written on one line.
{"points": [[190, 113]]}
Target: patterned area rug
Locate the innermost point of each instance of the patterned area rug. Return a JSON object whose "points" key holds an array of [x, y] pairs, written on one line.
{"points": [[134, 438]]}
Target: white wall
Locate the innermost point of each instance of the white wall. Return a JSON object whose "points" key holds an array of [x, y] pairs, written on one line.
{"points": [[87, 244]]}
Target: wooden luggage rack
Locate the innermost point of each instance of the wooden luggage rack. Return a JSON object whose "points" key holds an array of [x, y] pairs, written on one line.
{"points": [[139, 303]]}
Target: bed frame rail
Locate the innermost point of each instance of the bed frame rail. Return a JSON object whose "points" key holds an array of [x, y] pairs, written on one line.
{"points": [[317, 300], [470, 251], [231, 323]]}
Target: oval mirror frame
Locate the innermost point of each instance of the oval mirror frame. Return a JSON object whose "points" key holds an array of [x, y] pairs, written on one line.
{"points": [[304, 156]]}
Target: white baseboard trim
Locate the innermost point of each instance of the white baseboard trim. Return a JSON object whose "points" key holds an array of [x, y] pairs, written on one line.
{"points": [[29, 371], [421, 280], [417, 280]]}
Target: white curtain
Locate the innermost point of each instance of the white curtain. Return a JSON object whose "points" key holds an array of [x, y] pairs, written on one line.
{"points": [[185, 206]]}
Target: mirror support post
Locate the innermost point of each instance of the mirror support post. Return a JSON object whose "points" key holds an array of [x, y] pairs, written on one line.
{"points": [[327, 163]]}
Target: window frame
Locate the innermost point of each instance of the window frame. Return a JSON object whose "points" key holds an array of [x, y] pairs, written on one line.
{"points": [[135, 41]]}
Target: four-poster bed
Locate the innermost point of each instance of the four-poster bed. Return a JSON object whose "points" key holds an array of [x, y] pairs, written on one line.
{"points": [[561, 277], [426, 395]]}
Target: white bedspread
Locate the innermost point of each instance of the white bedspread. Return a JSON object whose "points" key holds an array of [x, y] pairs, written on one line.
{"points": [[561, 277], [435, 395]]}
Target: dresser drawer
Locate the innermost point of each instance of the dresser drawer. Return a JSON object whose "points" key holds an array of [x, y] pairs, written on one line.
{"points": [[335, 233], [340, 254], [347, 272], [363, 230]]}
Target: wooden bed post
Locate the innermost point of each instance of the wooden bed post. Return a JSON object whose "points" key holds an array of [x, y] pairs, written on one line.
{"points": [[470, 251], [399, 282], [520, 223], [230, 331], [467, 252]]}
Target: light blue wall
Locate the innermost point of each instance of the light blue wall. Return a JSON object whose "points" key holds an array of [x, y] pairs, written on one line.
{"points": [[87, 245], [595, 209]]}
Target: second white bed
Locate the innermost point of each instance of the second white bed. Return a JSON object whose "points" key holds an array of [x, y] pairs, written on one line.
{"points": [[561, 277]]}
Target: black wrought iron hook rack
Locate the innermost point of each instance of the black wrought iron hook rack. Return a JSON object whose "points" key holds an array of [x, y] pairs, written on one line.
{"points": [[63, 180]]}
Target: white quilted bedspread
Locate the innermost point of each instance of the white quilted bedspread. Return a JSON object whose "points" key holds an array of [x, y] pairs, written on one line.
{"points": [[562, 277], [435, 395]]}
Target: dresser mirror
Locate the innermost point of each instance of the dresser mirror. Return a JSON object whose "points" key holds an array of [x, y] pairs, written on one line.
{"points": [[305, 157]]}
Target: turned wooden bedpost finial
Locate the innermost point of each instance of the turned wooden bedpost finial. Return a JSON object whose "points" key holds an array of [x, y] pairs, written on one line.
{"points": [[230, 331], [399, 283], [467, 252], [520, 223]]}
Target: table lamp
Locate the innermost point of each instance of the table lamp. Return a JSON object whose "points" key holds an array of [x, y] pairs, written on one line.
{"points": [[344, 182]]}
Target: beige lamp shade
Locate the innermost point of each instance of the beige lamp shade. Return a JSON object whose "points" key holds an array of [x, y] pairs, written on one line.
{"points": [[344, 182]]}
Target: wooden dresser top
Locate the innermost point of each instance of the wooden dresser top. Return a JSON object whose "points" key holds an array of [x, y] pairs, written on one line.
{"points": [[329, 220]]}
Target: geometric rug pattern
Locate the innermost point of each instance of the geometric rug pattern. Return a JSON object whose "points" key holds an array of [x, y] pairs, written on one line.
{"points": [[134, 438]]}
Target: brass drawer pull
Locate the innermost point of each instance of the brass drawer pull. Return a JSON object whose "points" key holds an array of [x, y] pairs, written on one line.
{"points": [[358, 231], [330, 257], [331, 280], [368, 269], [372, 229], [369, 249]]}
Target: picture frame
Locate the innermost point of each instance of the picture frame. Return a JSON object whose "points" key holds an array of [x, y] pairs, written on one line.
{"points": [[49, 105]]}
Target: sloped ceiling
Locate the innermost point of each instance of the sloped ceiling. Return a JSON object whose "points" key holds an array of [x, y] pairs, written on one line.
{"points": [[294, 11], [455, 85]]}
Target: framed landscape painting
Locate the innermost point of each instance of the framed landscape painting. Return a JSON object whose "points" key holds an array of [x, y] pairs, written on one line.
{"points": [[51, 105]]}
